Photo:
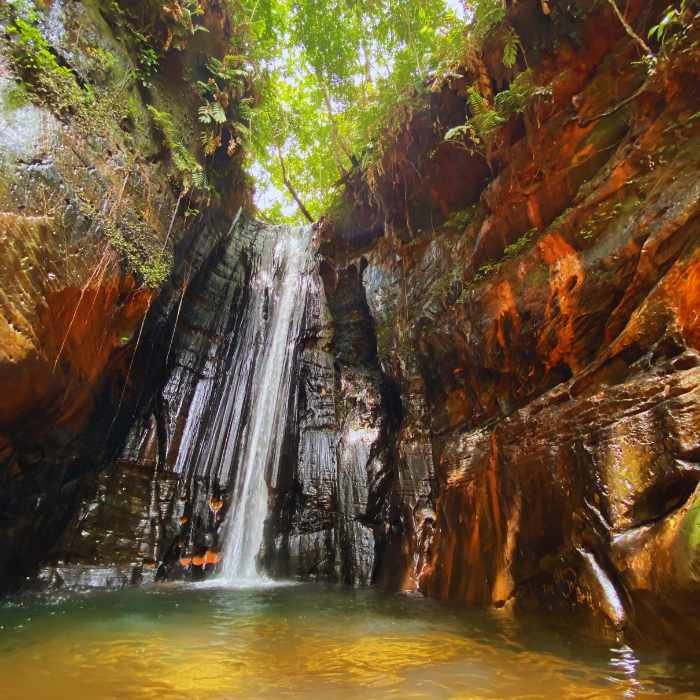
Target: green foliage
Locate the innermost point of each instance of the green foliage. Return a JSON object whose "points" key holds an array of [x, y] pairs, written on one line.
{"points": [[522, 244], [519, 94], [191, 171], [510, 49], [485, 119], [37, 64], [343, 77], [673, 19], [151, 264], [226, 111], [16, 97], [510, 251], [334, 73], [173, 22], [488, 14], [140, 247], [228, 71], [182, 19], [212, 112], [463, 217], [308, 89], [457, 132], [164, 123], [147, 61], [104, 62]]}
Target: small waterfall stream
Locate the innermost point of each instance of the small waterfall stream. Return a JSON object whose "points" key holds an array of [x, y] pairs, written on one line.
{"points": [[265, 360]]}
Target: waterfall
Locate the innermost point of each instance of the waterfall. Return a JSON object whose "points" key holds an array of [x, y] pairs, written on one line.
{"points": [[247, 415], [278, 301]]}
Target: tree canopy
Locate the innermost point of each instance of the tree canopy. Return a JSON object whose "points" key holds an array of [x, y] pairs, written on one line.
{"points": [[327, 72]]}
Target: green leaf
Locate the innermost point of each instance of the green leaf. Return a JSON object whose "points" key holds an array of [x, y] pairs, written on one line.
{"points": [[456, 132], [510, 49]]}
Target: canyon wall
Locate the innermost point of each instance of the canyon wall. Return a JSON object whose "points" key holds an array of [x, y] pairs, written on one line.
{"points": [[497, 393], [535, 301], [99, 237]]}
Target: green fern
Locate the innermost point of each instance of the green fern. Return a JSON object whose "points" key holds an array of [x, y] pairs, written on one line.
{"points": [[191, 171], [200, 180], [184, 161], [210, 142], [510, 49], [484, 119], [227, 70], [163, 121], [241, 129], [212, 112], [476, 101], [456, 132]]}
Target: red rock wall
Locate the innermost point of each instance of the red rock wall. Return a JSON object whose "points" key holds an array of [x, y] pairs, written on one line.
{"points": [[94, 254], [545, 339]]}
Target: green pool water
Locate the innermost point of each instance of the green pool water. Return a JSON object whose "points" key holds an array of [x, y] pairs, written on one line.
{"points": [[308, 641]]}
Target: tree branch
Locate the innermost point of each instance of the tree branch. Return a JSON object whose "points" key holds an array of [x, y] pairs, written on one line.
{"points": [[629, 29], [337, 136], [291, 189]]}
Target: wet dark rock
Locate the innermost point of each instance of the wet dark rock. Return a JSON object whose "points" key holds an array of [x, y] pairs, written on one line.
{"points": [[76, 192], [541, 338]]}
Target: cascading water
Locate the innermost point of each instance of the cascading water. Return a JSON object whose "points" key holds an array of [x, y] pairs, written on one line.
{"points": [[266, 357], [233, 437]]}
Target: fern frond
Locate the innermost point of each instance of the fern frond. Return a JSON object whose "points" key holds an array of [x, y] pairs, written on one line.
{"points": [[510, 49], [210, 142], [241, 129], [477, 103], [456, 132]]}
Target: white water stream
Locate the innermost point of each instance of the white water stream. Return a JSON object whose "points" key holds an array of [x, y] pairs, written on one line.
{"points": [[253, 415]]}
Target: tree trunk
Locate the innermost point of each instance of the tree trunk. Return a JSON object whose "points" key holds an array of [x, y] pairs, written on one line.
{"points": [[291, 189]]}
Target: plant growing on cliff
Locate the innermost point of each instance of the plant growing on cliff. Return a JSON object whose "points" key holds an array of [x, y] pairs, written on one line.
{"points": [[138, 246], [672, 20], [226, 111], [161, 24], [191, 171], [485, 118], [147, 61], [511, 46], [38, 65], [142, 254]]}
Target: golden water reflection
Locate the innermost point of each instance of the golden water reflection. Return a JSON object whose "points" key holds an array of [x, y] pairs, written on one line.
{"points": [[302, 642]]}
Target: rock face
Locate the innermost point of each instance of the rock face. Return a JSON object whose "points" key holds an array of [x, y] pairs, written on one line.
{"points": [[319, 525], [539, 321], [173, 511], [91, 225]]}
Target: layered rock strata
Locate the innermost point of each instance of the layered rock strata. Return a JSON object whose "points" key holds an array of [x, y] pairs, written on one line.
{"points": [[535, 302]]}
